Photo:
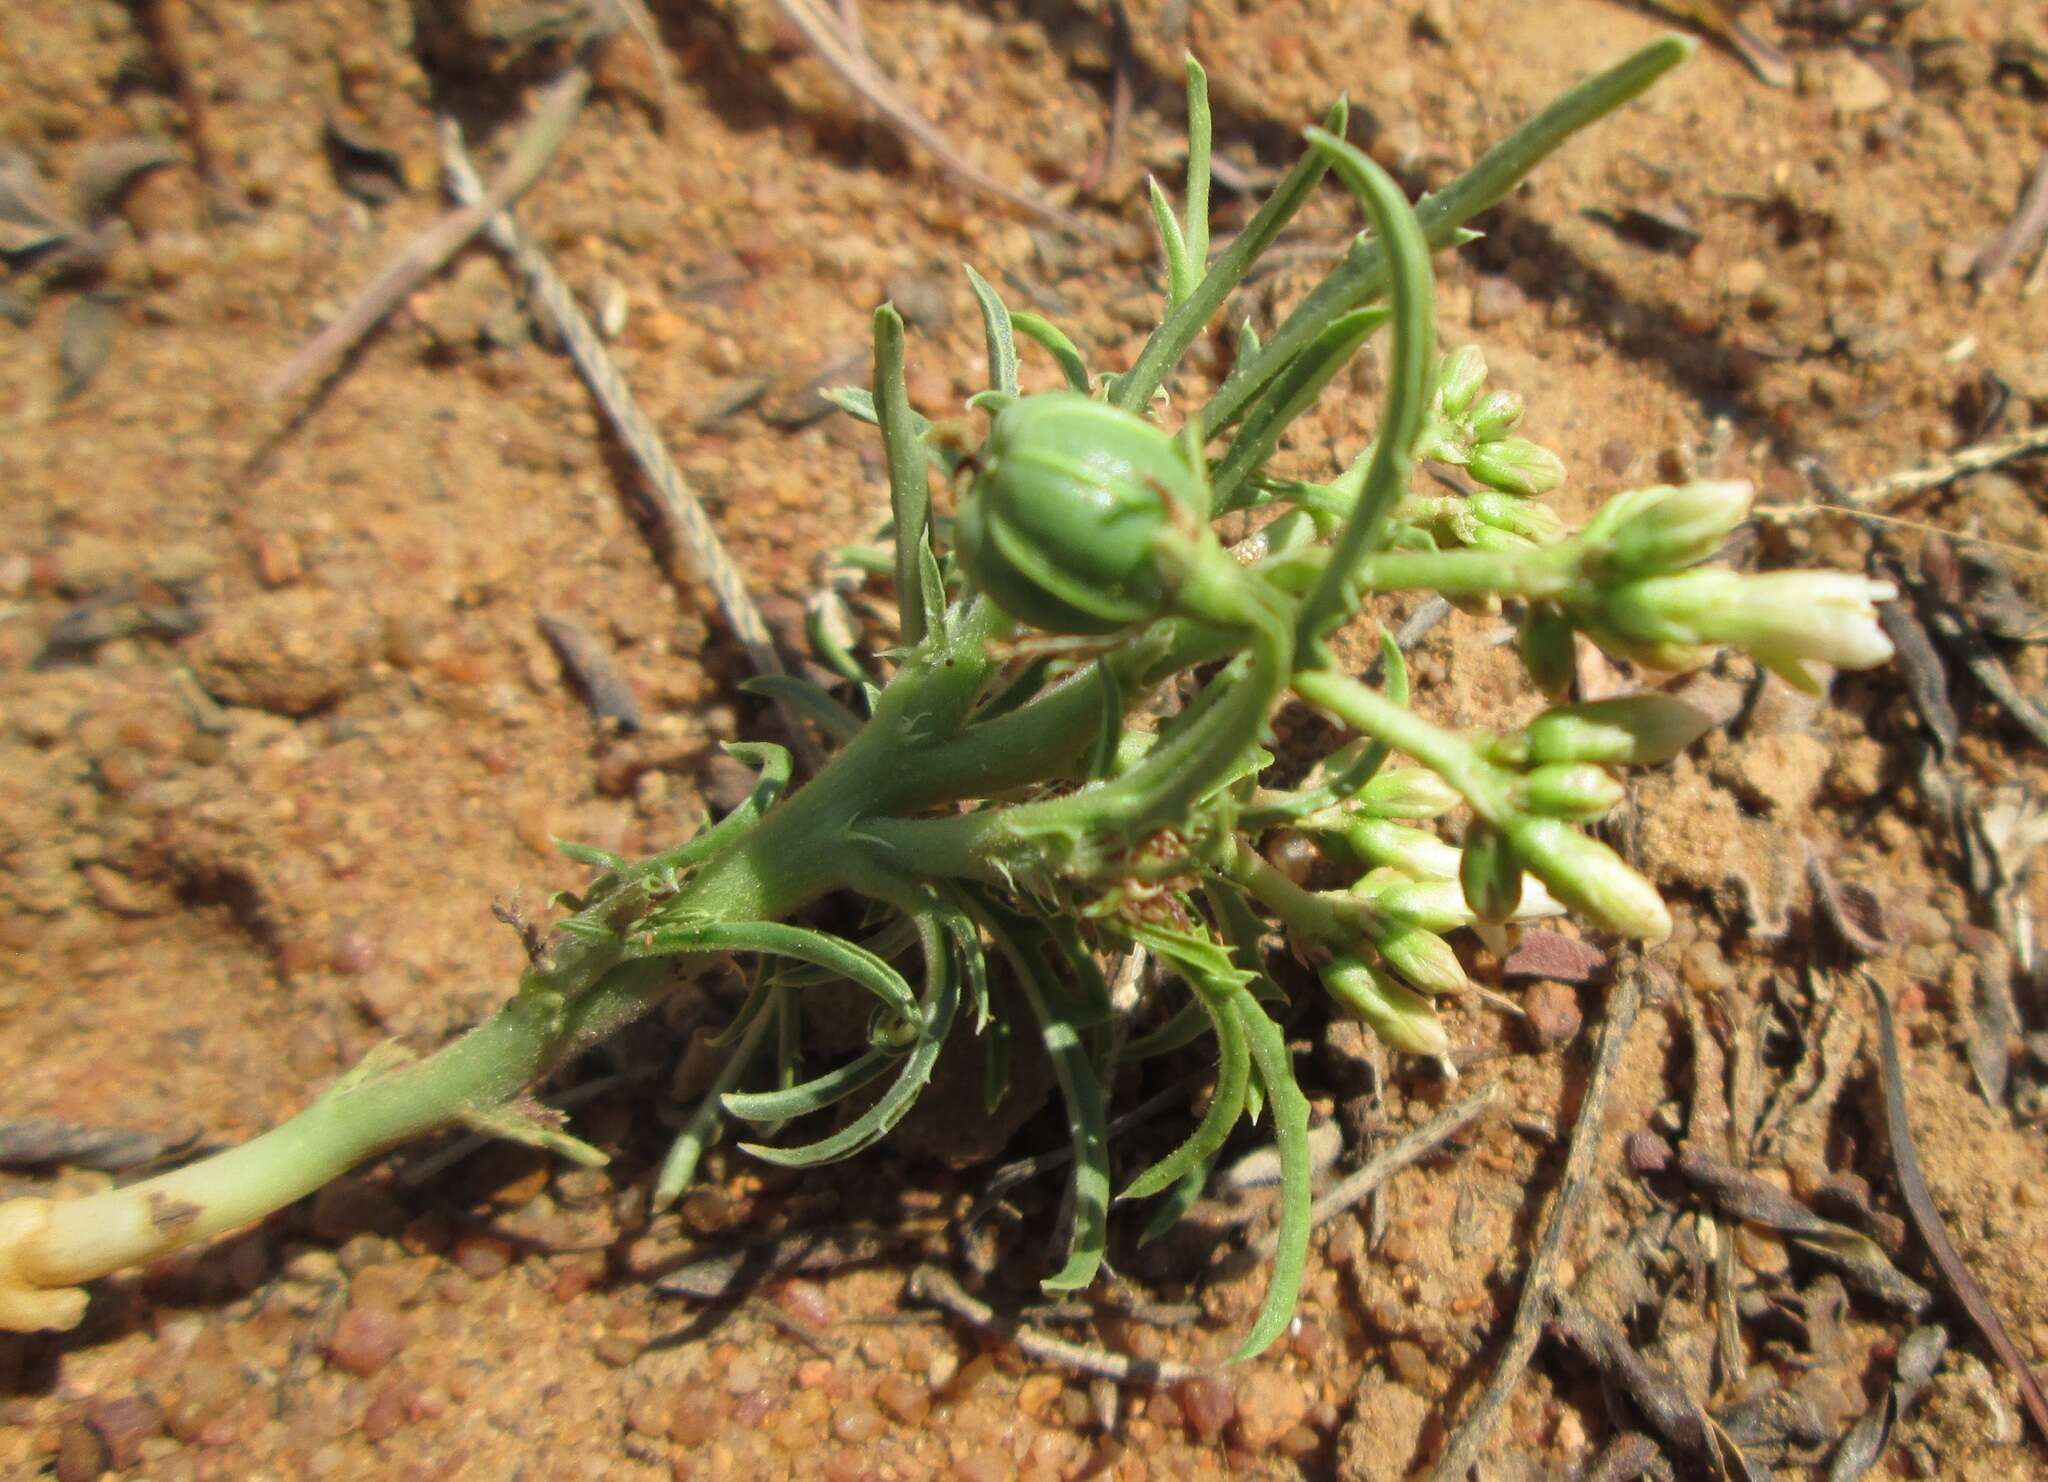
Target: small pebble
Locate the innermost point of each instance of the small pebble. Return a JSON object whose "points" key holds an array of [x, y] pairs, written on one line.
{"points": [[366, 1339], [616, 1350], [1208, 1404], [123, 1423], [1553, 1015], [904, 1398], [1269, 1405], [857, 1422]]}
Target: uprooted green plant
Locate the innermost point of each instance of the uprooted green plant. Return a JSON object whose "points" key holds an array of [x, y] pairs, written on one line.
{"points": [[1001, 806]]}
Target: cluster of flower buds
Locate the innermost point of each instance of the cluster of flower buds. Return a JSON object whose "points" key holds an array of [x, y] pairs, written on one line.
{"points": [[1642, 592], [1472, 428]]}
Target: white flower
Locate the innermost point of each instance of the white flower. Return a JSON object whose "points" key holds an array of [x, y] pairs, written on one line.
{"points": [[1784, 619]]}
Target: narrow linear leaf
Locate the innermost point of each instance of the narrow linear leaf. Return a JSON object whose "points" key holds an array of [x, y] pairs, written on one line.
{"points": [[841, 724], [1290, 393], [903, 445], [995, 330], [780, 939], [1170, 341], [812, 1095], [941, 1003], [1180, 278], [1049, 336], [1268, 1048]]}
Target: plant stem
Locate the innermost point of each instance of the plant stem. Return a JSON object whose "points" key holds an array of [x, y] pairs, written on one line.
{"points": [[1486, 787]]}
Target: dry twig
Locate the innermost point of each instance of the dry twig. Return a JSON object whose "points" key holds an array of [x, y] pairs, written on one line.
{"points": [[432, 249], [1539, 1283], [2026, 229], [1402, 1152], [931, 1284], [1927, 1218], [844, 54], [688, 531]]}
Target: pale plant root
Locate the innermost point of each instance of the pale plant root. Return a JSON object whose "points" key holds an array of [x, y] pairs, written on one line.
{"points": [[26, 1304]]}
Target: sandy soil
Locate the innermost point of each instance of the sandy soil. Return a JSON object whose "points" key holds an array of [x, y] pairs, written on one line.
{"points": [[254, 821]]}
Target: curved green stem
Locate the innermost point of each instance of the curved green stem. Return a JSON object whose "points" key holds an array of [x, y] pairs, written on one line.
{"points": [[1409, 376]]}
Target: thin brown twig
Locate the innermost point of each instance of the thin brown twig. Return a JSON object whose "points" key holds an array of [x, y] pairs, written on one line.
{"points": [[931, 1284], [1539, 1284], [432, 249], [1927, 1217], [2028, 226], [1895, 489], [1403, 1152], [845, 55], [689, 531]]}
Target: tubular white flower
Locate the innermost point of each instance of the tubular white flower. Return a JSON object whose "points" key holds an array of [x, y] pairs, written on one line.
{"points": [[1784, 619]]}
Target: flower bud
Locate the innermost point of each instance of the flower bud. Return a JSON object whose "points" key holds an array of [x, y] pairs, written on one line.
{"points": [[1495, 416], [1629, 731], [1589, 877], [1783, 619], [1681, 527], [1063, 523], [1490, 874], [1578, 791], [1459, 378], [1514, 465], [1434, 905], [1415, 852], [1549, 649], [1400, 1016], [1407, 792], [1423, 958], [1538, 524]]}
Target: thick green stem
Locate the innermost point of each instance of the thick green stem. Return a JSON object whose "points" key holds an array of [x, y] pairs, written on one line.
{"points": [[369, 1111], [1536, 574]]}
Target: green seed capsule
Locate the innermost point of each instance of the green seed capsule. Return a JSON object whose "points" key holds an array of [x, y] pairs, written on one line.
{"points": [[1063, 524]]}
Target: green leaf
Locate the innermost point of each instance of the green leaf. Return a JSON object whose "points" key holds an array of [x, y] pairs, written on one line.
{"points": [[941, 1003], [841, 724], [1019, 939], [1180, 278], [813, 1095], [1048, 335], [1268, 1048], [1200, 130], [1133, 390], [903, 444], [587, 854], [780, 939], [1171, 1210], [995, 330]]}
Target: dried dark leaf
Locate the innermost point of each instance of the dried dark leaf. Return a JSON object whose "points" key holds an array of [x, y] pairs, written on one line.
{"points": [[1927, 1217], [88, 339], [1993, 1014], [1662, 229], [594, 673], [1854, 911], [30, 221], [1869, 1437], [1746, 1197], [1926, 676], [1663, 1405], [801, 404], [1995, 602], [37, 1142], [1777, 1423], [109, 168], [363, 167]]}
